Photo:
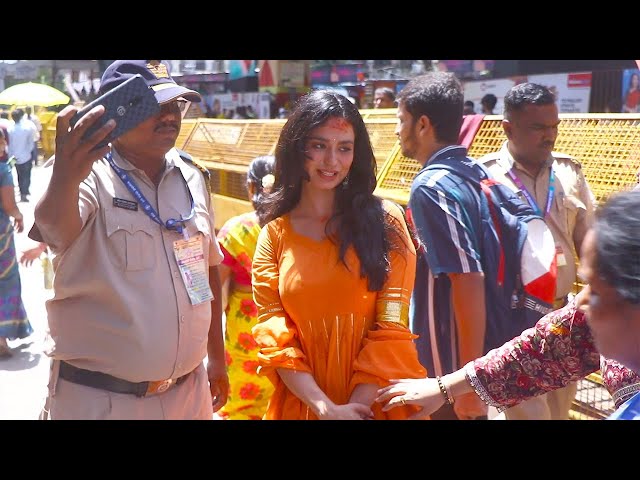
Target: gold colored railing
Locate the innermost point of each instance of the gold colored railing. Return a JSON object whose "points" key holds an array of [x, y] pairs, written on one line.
{"points": [[607, 146]]}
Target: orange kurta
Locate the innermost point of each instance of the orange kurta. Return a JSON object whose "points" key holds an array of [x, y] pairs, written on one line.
{"points": [[317, 316]]}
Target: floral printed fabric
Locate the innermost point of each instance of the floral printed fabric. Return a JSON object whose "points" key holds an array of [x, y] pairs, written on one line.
{"points": [[249, 393], [559, 349], [621, 382]]}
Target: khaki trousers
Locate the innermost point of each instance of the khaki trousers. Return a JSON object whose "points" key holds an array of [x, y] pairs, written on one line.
{"points": [[554, 405]]}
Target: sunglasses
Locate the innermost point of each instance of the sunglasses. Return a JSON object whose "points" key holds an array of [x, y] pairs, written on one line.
{"points": [[180, 104]]}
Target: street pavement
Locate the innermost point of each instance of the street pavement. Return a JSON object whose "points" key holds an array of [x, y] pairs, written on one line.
{"points": [[23, 377]]}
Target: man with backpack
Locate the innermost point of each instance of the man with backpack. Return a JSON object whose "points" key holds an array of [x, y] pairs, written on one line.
{"points": [[460, 307], [554, 185]]}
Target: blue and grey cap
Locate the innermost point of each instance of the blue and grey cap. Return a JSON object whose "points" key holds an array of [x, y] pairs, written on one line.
{"points": [[156, 73]]}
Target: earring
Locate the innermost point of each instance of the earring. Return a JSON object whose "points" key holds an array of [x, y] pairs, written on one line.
{"points": [[345, 182]]}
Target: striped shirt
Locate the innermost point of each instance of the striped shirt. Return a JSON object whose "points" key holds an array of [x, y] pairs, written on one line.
{"points": [[445, 212]]}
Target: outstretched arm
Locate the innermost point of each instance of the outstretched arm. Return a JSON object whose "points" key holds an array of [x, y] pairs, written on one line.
{"points": [[424, 392], [33, 253], [57, 214], [559, 349]]}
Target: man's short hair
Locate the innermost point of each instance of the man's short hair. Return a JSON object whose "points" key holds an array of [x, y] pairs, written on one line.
{"points": [[489, 100], [387, 92], [525, 94]]}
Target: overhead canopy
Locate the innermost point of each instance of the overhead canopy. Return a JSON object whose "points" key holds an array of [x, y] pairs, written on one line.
{"points": [[33, 94]]}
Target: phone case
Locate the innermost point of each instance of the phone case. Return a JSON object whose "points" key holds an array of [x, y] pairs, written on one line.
{"points": [[130, 103]]}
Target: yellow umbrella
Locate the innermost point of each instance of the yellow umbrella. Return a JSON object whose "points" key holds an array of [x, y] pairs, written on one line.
{"points": [[34, 94]]}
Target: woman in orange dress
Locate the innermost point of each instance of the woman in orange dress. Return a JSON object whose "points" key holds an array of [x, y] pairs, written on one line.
{"points": [[332, 273]]}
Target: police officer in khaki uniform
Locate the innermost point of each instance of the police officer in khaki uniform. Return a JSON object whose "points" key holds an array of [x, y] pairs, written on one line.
{"points": [[554, 185], [136, 306]]}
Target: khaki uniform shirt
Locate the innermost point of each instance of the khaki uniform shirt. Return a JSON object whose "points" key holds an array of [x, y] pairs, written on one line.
{"points": [[571, 212], [120, 305]]}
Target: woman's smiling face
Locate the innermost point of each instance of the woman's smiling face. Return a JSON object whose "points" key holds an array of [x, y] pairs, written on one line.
{"points": [[329, 153]]}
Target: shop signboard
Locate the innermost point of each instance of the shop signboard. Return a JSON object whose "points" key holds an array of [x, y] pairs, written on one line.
{"points": [[572, 90]]}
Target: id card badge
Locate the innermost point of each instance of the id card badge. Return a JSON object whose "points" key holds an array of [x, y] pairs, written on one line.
{"points": [[561, 259], [189, 254]]}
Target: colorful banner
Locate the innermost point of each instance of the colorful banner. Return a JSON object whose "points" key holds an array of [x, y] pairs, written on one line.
{"points": [[242, 68], [347, 73]]}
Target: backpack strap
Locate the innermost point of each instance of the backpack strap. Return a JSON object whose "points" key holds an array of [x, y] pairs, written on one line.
{"points": [[486, 185], [477, 174]]}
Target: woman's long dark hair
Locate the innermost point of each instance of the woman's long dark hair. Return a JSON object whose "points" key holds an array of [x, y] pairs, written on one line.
{"points": [[358, 218], [258, 169]]}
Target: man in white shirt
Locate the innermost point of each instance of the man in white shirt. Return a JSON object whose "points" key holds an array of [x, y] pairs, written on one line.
{"points": [[21, 135]]}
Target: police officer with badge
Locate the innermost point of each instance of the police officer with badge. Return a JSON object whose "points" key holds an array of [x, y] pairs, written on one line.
{"points": [[136, 306], [553, 184]]}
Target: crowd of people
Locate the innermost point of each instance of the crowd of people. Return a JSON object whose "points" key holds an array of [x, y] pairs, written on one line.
{"points": [[325, 301]]}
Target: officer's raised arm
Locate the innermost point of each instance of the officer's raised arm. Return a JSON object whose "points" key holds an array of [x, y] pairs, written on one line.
{"points": [[57, 215]]}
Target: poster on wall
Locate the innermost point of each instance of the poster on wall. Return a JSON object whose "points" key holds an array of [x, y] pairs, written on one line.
{"points": [[475, 90], [631, 91], [572, 90]]}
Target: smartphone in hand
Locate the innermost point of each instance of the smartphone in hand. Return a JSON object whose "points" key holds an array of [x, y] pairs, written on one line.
{"points": [[129, 104]]}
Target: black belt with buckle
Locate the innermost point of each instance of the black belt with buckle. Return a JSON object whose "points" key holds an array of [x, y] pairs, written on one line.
{"points": [[108, 382]]}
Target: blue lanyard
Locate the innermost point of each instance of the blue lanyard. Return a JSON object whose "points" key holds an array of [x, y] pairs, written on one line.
{"points": [[529, 197], [172, 223]]}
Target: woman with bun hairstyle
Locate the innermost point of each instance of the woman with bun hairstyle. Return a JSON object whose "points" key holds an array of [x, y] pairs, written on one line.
{"points": [[248, 392]]}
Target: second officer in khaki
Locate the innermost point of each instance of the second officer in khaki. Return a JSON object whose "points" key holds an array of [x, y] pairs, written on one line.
{"points": [[554, 185]]}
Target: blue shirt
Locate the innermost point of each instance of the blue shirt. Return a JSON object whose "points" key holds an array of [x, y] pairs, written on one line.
{"points": [[445, 212]]}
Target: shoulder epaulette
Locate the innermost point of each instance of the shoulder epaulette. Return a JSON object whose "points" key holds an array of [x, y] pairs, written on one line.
{"points": [[488, 157], [205, 171], [564, 156]]}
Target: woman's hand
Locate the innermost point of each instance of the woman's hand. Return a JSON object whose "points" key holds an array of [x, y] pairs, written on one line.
{"points": [[348, 411], [18, 222], [422, 392], [31, 254]]}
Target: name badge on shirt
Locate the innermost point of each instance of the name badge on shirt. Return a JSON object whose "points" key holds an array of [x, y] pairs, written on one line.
{"points": [[189, 254], [126, 204], [561, 260]]}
